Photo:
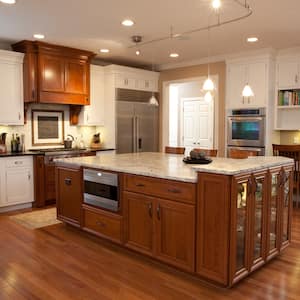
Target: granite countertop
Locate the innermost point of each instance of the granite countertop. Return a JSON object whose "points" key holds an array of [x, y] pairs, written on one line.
{"points": [[11, 154], [171, 166]]}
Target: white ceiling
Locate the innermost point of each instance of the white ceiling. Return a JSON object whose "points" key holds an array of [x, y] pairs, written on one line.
{"points": [[95, 24]]}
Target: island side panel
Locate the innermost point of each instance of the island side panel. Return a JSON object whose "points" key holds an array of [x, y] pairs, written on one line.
{"points": [[213, 223]]}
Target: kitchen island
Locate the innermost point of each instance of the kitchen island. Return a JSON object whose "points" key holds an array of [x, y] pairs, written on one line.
{"points": [[219, 221]]}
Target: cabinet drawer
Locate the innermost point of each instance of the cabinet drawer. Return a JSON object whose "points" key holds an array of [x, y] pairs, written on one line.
{"points": [[173, 190], [19, 162], [103, 224]]}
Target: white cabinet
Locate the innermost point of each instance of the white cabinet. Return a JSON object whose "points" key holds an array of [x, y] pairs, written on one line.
{"points": [[288, 74], [11, 88], [16, 180], [238, 75], [93, 114]]}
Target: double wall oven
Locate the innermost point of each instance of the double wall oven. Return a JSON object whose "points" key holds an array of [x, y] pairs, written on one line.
{"points": [[246, 129]]}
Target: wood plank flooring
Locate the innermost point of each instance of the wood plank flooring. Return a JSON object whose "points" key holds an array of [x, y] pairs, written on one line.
{"points": [[60, 262]]}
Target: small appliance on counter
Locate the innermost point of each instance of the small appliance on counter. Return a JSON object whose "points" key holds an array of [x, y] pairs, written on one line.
{"points": [[96, 141], [3, 142], [69, 141]]}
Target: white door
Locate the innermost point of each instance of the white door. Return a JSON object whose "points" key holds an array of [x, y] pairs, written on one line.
{"points": [[197, 125]]}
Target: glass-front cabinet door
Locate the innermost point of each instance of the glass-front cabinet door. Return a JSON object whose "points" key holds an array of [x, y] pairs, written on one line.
{"points": [[286, 205], [258, 220], [273, 212], [241, 191]]}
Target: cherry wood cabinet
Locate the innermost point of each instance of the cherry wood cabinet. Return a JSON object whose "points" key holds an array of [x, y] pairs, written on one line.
{"points": [[55, 74], [69, 195], [161, 228]]}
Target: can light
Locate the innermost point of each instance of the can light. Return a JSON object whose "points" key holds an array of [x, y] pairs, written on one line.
{"points": [[104, 50], [39, 36], [127, 22], [252, 39], [174, 55], [8, 1]]}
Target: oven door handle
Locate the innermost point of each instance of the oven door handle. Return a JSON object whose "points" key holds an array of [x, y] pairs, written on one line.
{"points": [[246, 118]]}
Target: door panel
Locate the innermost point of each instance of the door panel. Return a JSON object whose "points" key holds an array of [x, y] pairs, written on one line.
{"points": [[52, 75], [75, 77], [139, 225], [175, 225], [287, 72]]}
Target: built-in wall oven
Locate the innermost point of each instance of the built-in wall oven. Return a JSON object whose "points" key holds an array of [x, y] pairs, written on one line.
{"points": [[101, 189], [246, 129]]}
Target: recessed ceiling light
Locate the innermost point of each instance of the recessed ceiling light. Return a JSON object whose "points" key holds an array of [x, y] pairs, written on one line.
{"points": [[104, 50], [216, 4], [127, 23], [8, 1], [174, 55], [252, 39], [137, 52], [39, 36]]}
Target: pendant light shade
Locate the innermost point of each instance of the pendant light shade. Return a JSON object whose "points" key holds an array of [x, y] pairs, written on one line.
{"points": [[208, 97], [153, 101], [208, 85], [247, 91]]}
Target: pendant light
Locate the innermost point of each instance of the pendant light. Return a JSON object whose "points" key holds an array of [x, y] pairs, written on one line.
{"points": [[208, 85], [247, 91], [153, 101], [208, 98]]}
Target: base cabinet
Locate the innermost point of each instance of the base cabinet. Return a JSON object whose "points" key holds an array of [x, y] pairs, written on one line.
{"points": [[161, 228], [69, 195]]}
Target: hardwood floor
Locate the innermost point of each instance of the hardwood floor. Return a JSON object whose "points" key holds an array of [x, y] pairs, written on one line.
{"points": [[60, 262]]}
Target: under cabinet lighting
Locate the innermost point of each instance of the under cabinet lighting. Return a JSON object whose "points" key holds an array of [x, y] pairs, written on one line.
{"points": [[39, 36], [8, 1], [127, 23]]}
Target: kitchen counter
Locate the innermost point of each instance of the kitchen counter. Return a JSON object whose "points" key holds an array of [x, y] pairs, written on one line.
{"points": [[171, 166], [12, 154]]}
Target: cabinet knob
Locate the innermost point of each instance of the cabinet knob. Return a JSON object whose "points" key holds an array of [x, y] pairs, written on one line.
{"points": [[68, 181], [19, 116], [87, 99], [140, 185], [150, 209], [174, 191], [158, 212]]}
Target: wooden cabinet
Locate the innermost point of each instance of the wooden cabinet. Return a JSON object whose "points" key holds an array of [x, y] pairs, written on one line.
{"points": [[16, 182], [11, 88], [239, 74], [55, 74], [69, 195], [93, 114], [161, 228]]}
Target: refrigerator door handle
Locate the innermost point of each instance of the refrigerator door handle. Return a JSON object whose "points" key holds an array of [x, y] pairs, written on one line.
{"points": [[138, 139], [134, 134]]}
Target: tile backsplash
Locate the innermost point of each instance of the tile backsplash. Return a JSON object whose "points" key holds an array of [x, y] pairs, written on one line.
{"points": [[84, 133]]}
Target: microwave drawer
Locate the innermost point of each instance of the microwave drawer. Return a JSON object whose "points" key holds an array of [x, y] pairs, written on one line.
{"points": [[103, 224], [169, 189]]}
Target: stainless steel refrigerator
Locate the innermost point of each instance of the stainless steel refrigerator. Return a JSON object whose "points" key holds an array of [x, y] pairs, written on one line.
{"points": [[137, 127]]}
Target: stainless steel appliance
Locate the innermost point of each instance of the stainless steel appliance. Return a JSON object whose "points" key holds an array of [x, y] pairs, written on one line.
{"points": [[101, 189], [246, 129], [137, 122]]}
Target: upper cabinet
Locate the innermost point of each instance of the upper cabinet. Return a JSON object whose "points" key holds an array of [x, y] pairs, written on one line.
{"points": [[93, 114], [241, 73], [288, 74], [11, 88], [55, 74]]}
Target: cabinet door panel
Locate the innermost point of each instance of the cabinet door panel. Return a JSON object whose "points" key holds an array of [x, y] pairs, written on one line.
{"points": [[257, 74], [236, 83], [52, 76], [175, 227], [139, 225], [287, 74], [69, 194], [11, 94], [75, 77], [19, 185]]}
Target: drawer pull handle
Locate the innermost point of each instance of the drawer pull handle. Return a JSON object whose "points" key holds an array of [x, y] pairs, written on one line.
{"points": [[140, 185], [68, 181], [174, 191], [158, 212], [150, 209], [18, 162], [101, 224]]}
